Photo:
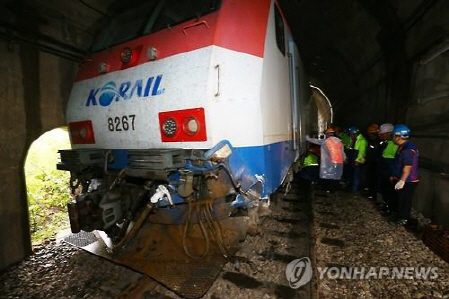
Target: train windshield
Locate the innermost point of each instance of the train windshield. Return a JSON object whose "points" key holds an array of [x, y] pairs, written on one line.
{"points": [[133, 18]]}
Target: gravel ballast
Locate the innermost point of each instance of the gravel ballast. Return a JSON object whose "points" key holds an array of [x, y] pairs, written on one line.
{"points": [[347, 232], [63, 271], [350, 232]]}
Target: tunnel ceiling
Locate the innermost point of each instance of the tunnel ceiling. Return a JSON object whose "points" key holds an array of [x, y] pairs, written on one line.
{"points": [[345, 43], [342, 42], [64, 28]]}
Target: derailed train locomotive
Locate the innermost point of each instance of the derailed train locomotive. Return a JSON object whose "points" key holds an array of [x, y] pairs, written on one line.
{"points": [[184, 121]]}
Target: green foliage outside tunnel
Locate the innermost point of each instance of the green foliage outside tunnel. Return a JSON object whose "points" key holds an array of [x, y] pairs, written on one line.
{"points": [[48, 189]]}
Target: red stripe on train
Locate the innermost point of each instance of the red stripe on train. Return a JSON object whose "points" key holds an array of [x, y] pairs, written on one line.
{"points": [[239, 25]]}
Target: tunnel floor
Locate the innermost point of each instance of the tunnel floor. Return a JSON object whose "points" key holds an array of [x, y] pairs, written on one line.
{"points": [[335, 231], [351, 232]]}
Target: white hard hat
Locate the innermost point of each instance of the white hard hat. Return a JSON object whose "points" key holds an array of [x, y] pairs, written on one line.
{"points": [[386, 128]]}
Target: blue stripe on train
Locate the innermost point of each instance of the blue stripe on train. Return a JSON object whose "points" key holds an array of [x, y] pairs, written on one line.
{"points": [[272, 161]]}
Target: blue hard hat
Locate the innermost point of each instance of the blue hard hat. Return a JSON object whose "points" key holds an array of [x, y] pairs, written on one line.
{"points": [[401, 130], [353, 130]]}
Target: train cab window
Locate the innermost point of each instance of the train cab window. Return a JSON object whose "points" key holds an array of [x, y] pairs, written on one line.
{"points": [[133, 18], [280, 32], [177, 11], [122, 26]]}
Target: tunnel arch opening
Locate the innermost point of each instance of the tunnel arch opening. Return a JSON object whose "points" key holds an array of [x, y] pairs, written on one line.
{"points": [[321, 113], [47, 188]]}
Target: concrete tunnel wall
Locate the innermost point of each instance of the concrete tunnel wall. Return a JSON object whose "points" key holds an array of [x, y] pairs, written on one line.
{"points": [[33, 91], [406, 87], [428, 112]]}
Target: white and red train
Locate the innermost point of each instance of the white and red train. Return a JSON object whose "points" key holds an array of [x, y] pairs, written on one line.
{"points": [[184, 102]]}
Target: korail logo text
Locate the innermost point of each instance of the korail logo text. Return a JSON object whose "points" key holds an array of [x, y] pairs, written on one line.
{"points": [[113, 92]]}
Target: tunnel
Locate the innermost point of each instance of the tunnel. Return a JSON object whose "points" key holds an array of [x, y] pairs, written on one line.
{"points": [[366, 62]]}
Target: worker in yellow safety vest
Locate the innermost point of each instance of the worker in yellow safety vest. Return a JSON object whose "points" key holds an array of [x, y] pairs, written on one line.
{"points": [[344, 136], [357, 157], [310, 164]]}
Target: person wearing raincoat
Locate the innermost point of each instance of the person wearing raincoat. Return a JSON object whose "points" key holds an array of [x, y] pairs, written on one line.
{"points": [[332, 155]]}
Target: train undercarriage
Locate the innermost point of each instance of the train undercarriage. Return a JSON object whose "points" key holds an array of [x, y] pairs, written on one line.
{"points": [[175, 215]]}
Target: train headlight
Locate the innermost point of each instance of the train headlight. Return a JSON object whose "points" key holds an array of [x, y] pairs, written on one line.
{"points": [[188, 125], [191, 126], [170, 127], [126, 55], [103, 67], [82, 132]]}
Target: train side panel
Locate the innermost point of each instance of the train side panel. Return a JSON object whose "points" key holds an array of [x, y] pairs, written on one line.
{"points": [[276, 108]]}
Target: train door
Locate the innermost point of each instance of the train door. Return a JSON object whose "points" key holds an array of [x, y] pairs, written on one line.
{"points": [[294, 64]]}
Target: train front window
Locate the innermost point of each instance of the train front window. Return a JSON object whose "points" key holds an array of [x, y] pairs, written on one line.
{"points": [[144, 17]]}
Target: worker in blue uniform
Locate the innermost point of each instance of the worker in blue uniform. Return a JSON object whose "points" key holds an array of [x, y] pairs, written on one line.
{"points": [[405, 172]]}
